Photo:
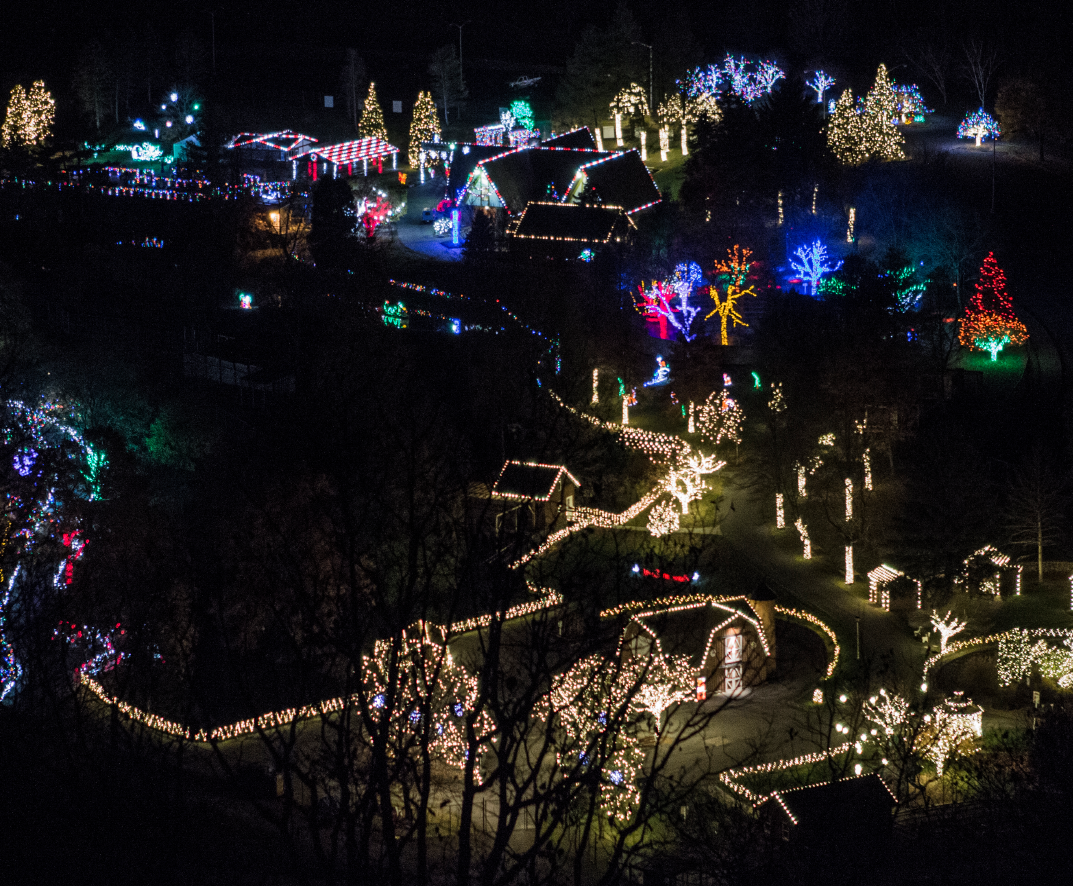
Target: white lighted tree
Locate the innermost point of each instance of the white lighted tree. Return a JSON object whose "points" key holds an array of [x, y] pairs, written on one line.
{"points": [[685, 481], [720, 418], [813, 264], [947, 626], [663, 519], [820, 83]]}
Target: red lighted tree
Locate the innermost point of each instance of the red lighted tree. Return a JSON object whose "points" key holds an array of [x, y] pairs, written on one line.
{"points": [[989, 323]]}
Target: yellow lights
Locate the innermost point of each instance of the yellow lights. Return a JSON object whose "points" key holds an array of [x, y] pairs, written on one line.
{"points": [[781, 217], [827, 440], [878, 590], [560, 472], [595, 386], [626, 409], [720, 418], [849, 564], [425, 127], [866, 458], [664, 143], [644, 146], [685, 481], [815, 194], [851, 225], [618, 130], [692, 425], [801, 491], [992, 556], [806, 542], [736, 269], [780, 515], [849, 499], [29, 118], [817, 696]]}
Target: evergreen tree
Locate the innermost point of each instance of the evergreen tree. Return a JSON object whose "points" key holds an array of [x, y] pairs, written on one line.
{"points": [[990, 323], [425, 126], [29, 116], [372, 117], [880, 136], [845, 132]]}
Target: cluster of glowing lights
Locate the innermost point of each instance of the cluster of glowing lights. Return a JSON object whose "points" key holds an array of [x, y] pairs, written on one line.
{"points": [[720, 418], [685, 481], [732, 777], [780, 511], [806, 542], [858, 133], [371, 124], [1017, 655], [979, 125], [630, 102], [661, 375], [814, 264], [911, 105], [29, 118], [990, 323], [425, 127], [747, 80], [663, 519], [879, 581]]}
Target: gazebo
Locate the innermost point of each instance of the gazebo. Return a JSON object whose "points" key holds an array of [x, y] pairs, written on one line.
{"points": [[348, 153]]}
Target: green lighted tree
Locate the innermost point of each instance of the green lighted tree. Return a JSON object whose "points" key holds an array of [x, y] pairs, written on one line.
{"points": [[425, 126], [372, 117], [990, 323]]}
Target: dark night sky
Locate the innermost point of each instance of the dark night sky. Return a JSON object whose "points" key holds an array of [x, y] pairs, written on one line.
{"points": [[291, 40]]}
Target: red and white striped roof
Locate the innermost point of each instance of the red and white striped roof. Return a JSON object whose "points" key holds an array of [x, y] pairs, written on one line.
{"points": [[349, 152], [284, 140]]}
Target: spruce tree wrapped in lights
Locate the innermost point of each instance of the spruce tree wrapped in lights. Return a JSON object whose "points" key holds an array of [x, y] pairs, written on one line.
{"points": [[990, 323], [881, 136], [425, 126], [844, 132], [372, 117], [29, 118]]}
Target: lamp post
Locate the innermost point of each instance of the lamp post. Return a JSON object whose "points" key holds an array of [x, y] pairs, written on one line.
{"points": [[651, 107], [460, 27]]}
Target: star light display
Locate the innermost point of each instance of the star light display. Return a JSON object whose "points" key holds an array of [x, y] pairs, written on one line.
{"points": [[425, 127], [732, 272], [720, 418], [990, 323], [814, 263], [979, 125], [819, 84], [29, 118], [371, 124]]}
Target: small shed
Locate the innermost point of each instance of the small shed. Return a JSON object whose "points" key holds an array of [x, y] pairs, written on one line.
{"points": [[563, 230], [893, 590], [537, 496], [849, 812]]}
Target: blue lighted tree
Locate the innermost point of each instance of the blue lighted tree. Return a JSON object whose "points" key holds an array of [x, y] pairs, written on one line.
{"points": [[814, 264], [820, 83]]}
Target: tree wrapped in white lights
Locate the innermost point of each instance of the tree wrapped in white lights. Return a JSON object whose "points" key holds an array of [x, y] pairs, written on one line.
{"points": [[979, 125], [947, 626], [685, 481], [814, 263], [425, 126], [630, 102], [720, 418], [427, 703], [29, 118], [951, 731], [663, 519]]}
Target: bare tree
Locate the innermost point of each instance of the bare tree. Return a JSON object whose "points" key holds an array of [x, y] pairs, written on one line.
{"points": [[1035, 505], [446, 71], [981, 61], [351, 80], [94, 79], [933, 61]]}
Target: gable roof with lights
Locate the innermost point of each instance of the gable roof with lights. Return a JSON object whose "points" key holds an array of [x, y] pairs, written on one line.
{"points": [[529, 481], [285, 140], [352, 151]]}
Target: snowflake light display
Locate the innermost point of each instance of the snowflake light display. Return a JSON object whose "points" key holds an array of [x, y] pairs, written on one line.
{"points": [[813, 264], [720, 418], [990, 323], [979, 125]]}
